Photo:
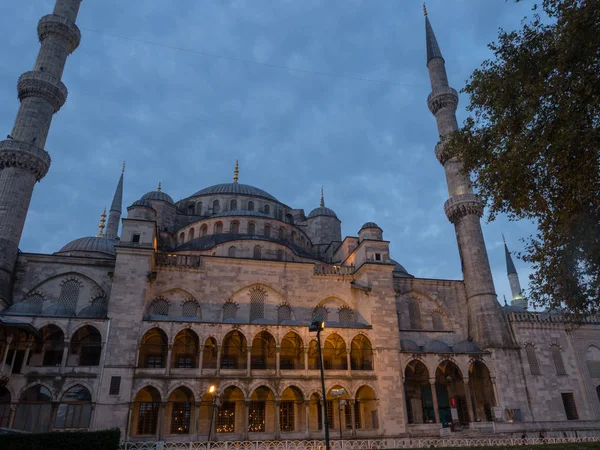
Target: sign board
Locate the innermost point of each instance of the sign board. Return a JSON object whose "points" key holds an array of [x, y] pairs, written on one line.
{"points": [[498, 416], [454, 414]]}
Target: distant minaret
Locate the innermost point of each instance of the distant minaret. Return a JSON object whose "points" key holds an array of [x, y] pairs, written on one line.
{"points": [[513, 279], [114, 216], [23, 160], [487, 325]]}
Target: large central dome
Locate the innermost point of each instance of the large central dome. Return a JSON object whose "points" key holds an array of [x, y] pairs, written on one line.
{"points": [[235, 188]]}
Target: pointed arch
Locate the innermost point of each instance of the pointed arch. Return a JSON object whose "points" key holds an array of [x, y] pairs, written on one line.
{"points": [[153, 349], [186, 348], [263, 351], [361, 353]]}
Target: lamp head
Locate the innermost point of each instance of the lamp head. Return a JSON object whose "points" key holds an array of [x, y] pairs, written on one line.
{"points": [[316, 325], [212, 389]]}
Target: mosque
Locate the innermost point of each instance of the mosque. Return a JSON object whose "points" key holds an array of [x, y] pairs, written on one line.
{"points": [[188, 320]]}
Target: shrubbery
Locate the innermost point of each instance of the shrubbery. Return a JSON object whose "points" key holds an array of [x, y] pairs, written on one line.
{"points": [[75, 440], [536, 447]]}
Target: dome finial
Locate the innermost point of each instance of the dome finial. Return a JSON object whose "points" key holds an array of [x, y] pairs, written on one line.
{"points": [[322, 198], [101, 226], [159, 188], [425, 9], [123, 170], [236, 172]]}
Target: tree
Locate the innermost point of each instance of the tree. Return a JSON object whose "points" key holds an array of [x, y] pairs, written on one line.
{"points": [[532, 145]]}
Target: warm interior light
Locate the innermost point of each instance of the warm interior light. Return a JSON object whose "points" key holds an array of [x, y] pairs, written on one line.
{"points": [[212, 389]]}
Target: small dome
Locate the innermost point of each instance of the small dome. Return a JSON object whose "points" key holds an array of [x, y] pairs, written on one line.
{"points": [[399, 270], [370, 225], [90, 244], [25, 308], [409, 346], [436, 346], [142, 202], [466, 347], [235, 188], [513, 308], [158, 195], [97, 309], [322, 211]]}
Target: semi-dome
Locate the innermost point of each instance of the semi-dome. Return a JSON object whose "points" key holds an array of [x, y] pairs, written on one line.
{"points": [[409, 346], [399, 270], [322, 211], [142, 202], [466, 347], [158, 195], [436, 346], [91, 244], [370, 225], [236, 189]]}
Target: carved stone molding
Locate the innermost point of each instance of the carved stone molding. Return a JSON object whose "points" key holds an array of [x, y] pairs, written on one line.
{"points": [[21, 154], [441, 154], [442, 98], [463, 205], [42, 85], [59, 26]]}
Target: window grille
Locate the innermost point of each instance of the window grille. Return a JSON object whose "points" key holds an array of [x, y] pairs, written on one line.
{"points": [[75, 410], [203, 230], [319, 416], [231, 252], [357, 418], [558, 360], [160, 307], [216, 207], [267, 231], [257, 303], [184, 362], [180, 417], [100, 302], [280, 255], [286, 415], [155, 362], [570, 407], [230, 310], [250, 206], [147, 418], [235, 227], [256, 417], [233, 205], [251, 228], [69, 294], [348, 416], [330, 415], [346, 315], [320, 312], [436, 319], [284, 312], [534, 366], [414, 313], [226, 418], [190, 308], [35, 303], [257, 252], [115, 386]]}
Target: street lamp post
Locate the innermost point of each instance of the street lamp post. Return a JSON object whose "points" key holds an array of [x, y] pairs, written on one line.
{"points": [[318, 326], [338, 393], [211, 390]]}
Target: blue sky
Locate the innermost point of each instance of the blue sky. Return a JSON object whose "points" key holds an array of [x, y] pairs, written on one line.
{"points": [[180, 89]]}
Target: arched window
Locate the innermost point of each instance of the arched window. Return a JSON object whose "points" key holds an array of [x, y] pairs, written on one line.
{"points": [[181, 238], [86, 346], [320, 313], [361, 353], [199, 208], [293, 237], [160, 307], [257, 303], [191, 234], [231, 252], [190, 308], [267, 231], [216, 207], [153, 350], [69, 294], [291, 353], [414, 313], [284, 312], [203, 230], [302, 242], [257, 252], [53, 344], [267, 210], [190, 209], [279, 255], [437, 321], [34, 410], [209, 355], [346, 315], [251, 228], [592, 356], [263, 351], [218, 229], [185, 350], [235, 227], [559, 365], [280, 215], [179, 409], [145, 411], [335, 355], [75, 409], [230, 310], [281, 233], [233, 205], [534, 366], [4, 407], [250, 206], [234, 354]]}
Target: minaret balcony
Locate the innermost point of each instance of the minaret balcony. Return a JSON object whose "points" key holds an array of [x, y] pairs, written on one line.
{"points": [[441, 154], [14, 153], [463, 205], [59, 27], [42, 85], [442, 97]]}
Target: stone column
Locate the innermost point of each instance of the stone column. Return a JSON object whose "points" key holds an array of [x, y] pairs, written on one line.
{"points": [[196, 421], [128, 424], [353, 414], [218, 361], [349, 361], [277, 361], [435, 400], [277, 412], [28, 347], [305, 362], [53, 415], [307, 418], [65, 355], [169, 353], [11, 415], [23, 160], [9, 339], [249, 362], [161, 420], [469, 401], [200, 360], [246, 419]]}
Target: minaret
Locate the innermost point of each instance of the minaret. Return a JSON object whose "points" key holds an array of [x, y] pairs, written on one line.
{"points": [[513, 279], [236, 172], [101, 226], [23, 160], [114, 216], [487, 325]]}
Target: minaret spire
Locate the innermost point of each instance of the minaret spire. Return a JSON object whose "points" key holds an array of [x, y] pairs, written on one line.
{"points": [[101, 226], [487, 325], [322, 198], [513, 279], [23, 160], [236, 172], [114, 216]]}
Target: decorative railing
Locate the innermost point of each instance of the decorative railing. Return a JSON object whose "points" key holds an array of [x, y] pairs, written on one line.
{"points": [[358, 444], [164, 259], [327, 269]]}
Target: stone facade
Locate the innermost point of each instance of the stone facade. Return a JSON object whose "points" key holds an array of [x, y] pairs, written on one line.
{"points": [[192, 323]]}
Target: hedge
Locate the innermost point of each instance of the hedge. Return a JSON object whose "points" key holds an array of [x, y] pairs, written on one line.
{"points": [[582, 446], [68, 440]]}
